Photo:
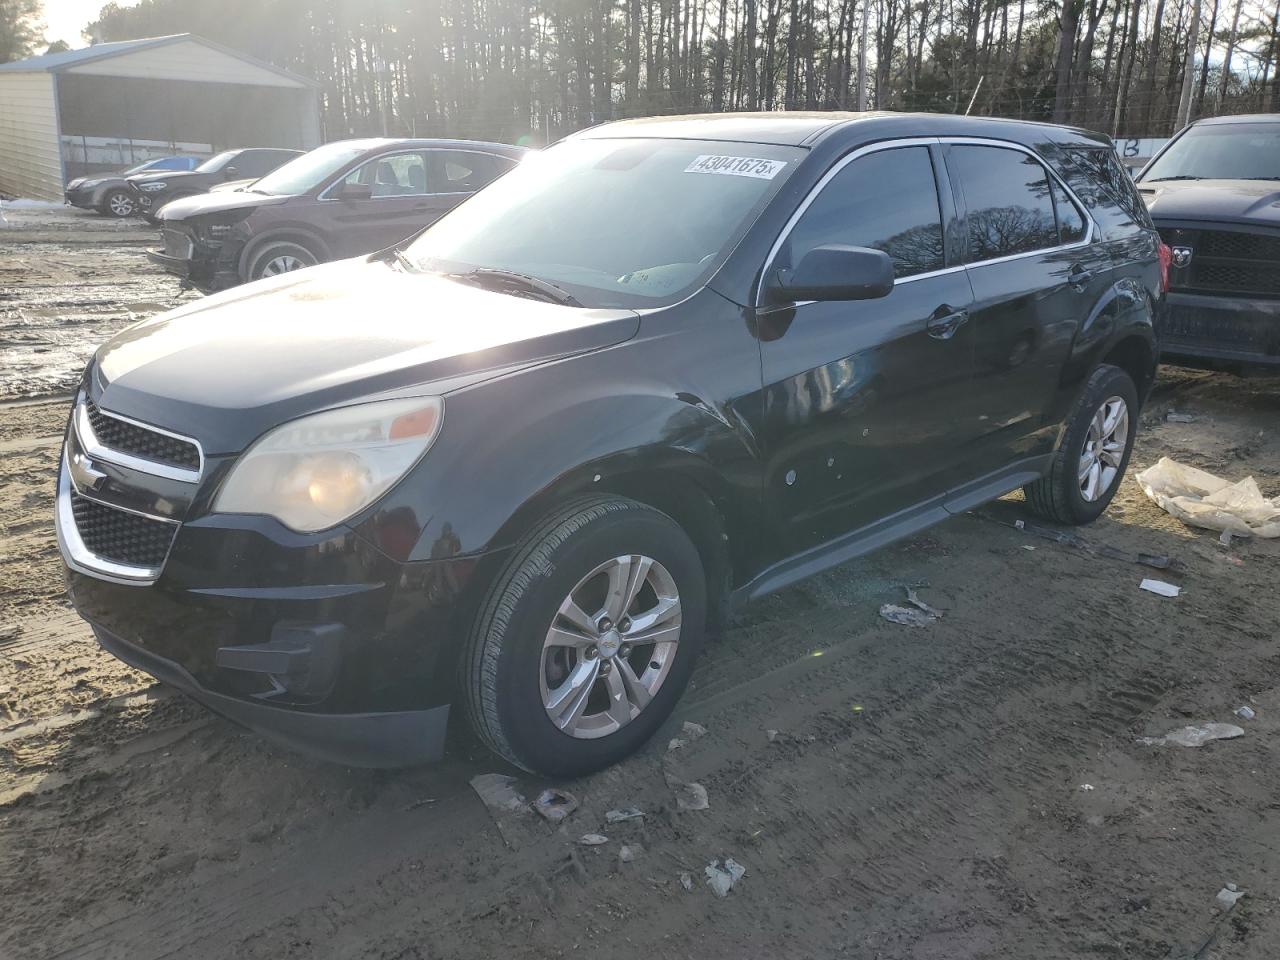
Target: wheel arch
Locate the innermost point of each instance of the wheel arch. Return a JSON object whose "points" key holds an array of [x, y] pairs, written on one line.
{"points": [[286, 234]]}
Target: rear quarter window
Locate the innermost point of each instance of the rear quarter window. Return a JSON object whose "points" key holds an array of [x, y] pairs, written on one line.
{"points": [[1098, 179]]}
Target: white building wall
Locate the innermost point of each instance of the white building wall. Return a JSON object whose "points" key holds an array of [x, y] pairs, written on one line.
{"points": [[30, 159]]}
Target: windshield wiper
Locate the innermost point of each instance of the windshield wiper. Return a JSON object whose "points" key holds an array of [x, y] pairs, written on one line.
{"points": [[404, 260], [1180, 176], [492, 278]]}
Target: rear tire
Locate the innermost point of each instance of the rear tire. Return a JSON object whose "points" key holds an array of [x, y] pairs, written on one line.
{"points": [[119, 204], [1094, 453], [552, 682], [282, 256]]}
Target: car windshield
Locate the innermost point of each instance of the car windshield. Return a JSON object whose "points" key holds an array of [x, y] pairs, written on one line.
{"points": [[1222, 151], [308, 171], [615, 223], [140, 168], [217, 161]]}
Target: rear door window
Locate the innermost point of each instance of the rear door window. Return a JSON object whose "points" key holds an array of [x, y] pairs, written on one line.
{"points": [[394, 175], [1071, 223], [887, 200], [462, 171], [1008, 201]]}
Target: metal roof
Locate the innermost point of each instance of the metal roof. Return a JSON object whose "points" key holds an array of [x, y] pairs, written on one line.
{"points": [[57, 62]]}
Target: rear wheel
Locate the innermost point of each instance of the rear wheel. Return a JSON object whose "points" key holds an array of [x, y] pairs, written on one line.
{"points": [[1094, 453], [586, 639], [280, 257], [119, 203]]}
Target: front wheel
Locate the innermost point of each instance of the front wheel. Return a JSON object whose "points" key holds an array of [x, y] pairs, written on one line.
{"points": [[282, 257], [1094, 452], [586, 639], [119, 203]]}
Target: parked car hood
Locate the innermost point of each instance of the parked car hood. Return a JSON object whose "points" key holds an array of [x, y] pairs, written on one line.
{"points": [[185, 208], [229, 367], [95, 180], [1231, 201], [168, 175]]}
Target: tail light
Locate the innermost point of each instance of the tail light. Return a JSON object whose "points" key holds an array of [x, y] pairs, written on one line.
{"points": [[1166, 260]]}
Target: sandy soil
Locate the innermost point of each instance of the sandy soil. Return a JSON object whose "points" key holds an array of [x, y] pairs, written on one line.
{"points": [[968, 790]]}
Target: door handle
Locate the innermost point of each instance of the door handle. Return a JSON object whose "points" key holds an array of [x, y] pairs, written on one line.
{"points": [[1079, 278], [944, 326]]}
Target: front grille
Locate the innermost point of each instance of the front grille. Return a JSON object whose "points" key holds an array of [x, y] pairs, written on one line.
{"points": [[119, 536], [176, 243], [1230, 262], [140, 442]]}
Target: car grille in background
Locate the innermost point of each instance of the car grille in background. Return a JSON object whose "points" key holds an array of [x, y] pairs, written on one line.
{"points": [[119, 536], [140, 442], [1227, 261], [176, 243]]}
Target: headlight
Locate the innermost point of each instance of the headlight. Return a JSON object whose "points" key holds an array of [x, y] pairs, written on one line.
{"points": [[152, 187], [315, 472]]}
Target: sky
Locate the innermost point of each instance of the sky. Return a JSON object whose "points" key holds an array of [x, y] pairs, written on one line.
{"points": [[65, 19]]}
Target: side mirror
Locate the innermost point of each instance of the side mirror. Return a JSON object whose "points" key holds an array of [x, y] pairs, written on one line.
{"points": [[355, 191], [833, 271], [230, 172]]}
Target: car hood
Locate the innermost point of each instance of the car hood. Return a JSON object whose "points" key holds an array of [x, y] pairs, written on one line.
{"points": [[1232, 201], [167, 175], [93, 181], [227, 368], [185, 208]]}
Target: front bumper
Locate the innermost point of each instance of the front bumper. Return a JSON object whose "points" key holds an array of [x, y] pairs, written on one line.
{"points": [[84, 199], [208, 270], [322, 642], [1206, 330]]}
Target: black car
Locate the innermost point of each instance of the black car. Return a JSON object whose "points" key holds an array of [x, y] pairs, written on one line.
{"points": [[111, 194], [339, 200], [525, 462], [1214, 193], [154, 190]]}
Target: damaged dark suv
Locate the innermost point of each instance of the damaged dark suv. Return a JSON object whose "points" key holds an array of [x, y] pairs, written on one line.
{"points": [[523, 463]]}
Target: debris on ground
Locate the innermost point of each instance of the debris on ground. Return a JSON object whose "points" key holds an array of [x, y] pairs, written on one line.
{"points": [[906, 616], [626, 813], [410, 806], [686, 881], [722, 879], [915, 601], [675, 743], [690, 796], [1160, 587], [1086, 786], [1196, 736], [692, 731], [1172, 417], [1156, 561], [498, 792], [592, 839], [1228, 896], [777, 736], [1245, 712], [1200, 499], [629, 852], [554, 805]]}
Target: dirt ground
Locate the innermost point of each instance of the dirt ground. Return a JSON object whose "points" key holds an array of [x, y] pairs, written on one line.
{"points": [[973, 789]]}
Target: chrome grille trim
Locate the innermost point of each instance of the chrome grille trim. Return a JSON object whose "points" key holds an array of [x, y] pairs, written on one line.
{"points": [[96, 449]]}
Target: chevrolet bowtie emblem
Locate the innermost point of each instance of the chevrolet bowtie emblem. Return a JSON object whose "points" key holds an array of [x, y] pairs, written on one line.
{"points": [[85, 475]]}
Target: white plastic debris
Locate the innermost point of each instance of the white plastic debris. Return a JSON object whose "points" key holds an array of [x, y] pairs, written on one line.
{"points": [[630, 852], [692, 731], [686, 881], [1245, 712], [498, 792], [1173, 417], [1086, 786], [675, 743], [691, 796], [1228, 896], [906, 616], [722, 879], [592, 839], [1160, 587], [626, 813], [1200, 499], [555, 805], [1196, 736]]}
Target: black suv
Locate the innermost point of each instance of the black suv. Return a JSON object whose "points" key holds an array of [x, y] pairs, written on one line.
{"points": [[662, 368], [1214, 193], [339, 200], [154, 190]]}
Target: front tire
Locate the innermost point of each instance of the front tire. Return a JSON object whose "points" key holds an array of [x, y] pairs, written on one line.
{"points": [[587, 638], [119, 204], [1095, 450], [280, 257]]}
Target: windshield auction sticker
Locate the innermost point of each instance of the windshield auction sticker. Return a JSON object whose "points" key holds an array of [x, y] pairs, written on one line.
{"points": [[736, 166]]}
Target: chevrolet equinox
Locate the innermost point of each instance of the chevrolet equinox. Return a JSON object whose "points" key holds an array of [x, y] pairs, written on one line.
{"points": [[523, 463]]}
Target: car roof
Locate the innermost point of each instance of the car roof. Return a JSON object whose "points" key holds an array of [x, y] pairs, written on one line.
{"points": [[382, 143], [799, 128], [1240, 118]]}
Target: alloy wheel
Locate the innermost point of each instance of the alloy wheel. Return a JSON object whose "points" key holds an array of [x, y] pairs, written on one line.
{"points": [[284, 263], [120, 204], [610, 646], [1104, 447]]}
